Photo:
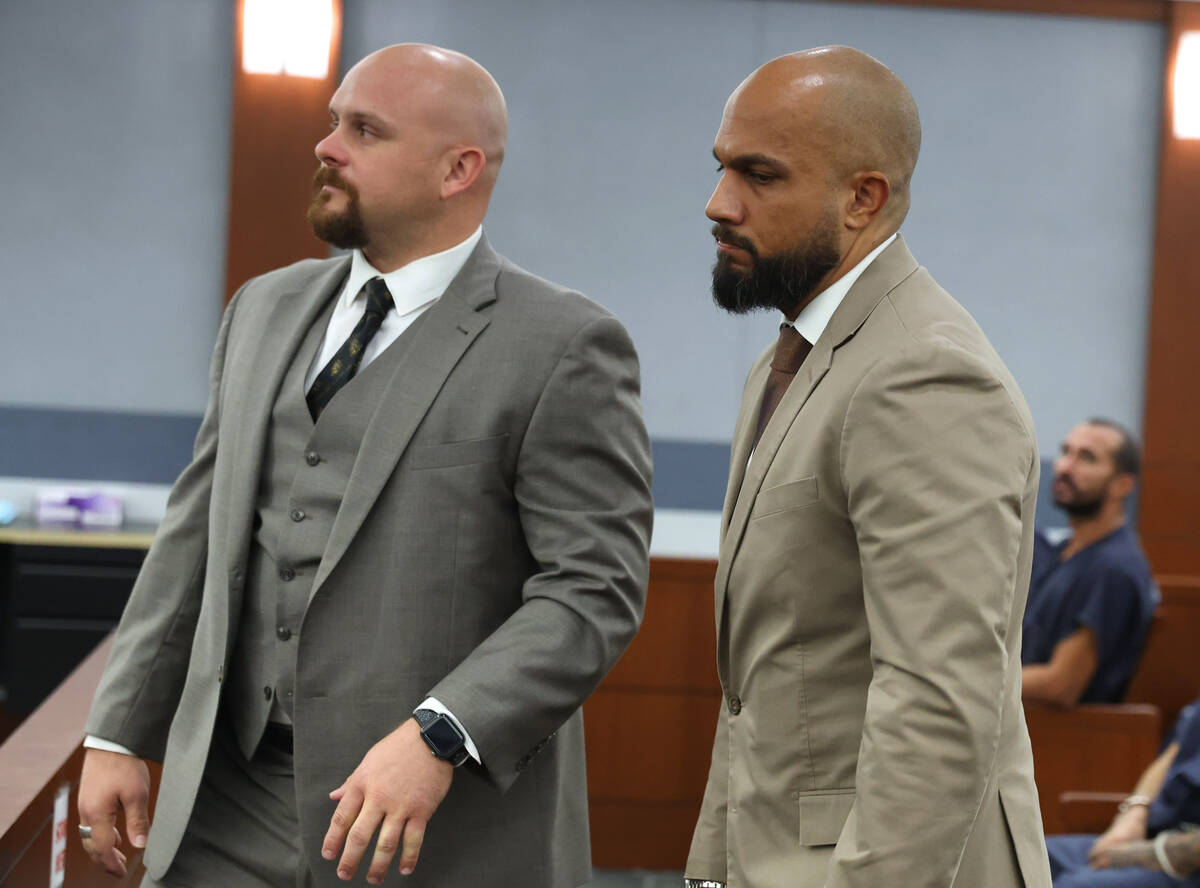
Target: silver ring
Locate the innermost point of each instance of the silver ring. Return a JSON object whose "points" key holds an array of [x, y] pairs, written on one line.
{"points": [[85, 832]]}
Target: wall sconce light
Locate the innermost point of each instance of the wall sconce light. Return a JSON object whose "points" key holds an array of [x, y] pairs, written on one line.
{"points": [[287, 37], [1186, 86]]}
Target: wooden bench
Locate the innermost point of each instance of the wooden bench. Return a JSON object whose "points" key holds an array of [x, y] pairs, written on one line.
{"points": [[1104, 749]]}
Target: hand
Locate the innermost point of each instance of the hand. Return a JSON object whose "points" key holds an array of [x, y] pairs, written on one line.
{"points": [[112, 781], [399, 784], [1128, 827]]}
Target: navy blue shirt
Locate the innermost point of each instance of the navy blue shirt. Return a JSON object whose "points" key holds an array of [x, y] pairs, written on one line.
{"points": [[1178, 801], [1107, 587]]}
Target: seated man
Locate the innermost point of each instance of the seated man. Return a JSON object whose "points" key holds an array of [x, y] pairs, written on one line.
{"points": [[1165, 805], [1091, 596]]}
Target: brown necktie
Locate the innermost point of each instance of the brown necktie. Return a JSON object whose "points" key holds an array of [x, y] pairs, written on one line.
{"points": [[790, 352]]}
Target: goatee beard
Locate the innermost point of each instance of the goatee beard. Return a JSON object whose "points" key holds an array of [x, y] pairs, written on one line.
{"points": [[785, 281], [346, 229]]}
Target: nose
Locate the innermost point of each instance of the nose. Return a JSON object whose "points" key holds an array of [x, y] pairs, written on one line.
{"points": [[1062, 464], [724, 206], [330, 150]]}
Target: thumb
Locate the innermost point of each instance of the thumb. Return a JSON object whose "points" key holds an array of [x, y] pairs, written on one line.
{"points": [[137, 819]]}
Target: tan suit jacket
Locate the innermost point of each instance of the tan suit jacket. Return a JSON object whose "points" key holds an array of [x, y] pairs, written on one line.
{"points": [[874, 564], [490, 550]]}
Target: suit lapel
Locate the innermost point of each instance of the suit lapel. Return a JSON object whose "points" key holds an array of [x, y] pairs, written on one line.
{"points": [[890, 267], [449, 328], [293, 313]]}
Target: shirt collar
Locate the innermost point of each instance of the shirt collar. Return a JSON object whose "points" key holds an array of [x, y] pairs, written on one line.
{"points": [[814, 317], [413, 285]]}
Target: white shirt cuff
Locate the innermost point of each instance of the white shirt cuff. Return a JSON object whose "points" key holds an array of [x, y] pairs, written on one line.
{"points": [[436, 705], [91, 742]]}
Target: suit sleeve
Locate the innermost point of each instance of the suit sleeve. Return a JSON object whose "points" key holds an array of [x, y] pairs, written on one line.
{"points": [[142, 682], [583, 498], [935, 460], [707, 859]]}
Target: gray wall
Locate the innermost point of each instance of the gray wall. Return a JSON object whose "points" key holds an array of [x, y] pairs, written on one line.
{"points": [[112, 236], [1033, 199]]}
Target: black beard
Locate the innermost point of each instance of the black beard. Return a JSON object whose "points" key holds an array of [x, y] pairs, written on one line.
{"points": [[345, 230], [785, 281], [1080, 507]]}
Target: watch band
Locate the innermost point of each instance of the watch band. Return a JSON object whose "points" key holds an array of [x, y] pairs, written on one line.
{"points": [[702, 883]]}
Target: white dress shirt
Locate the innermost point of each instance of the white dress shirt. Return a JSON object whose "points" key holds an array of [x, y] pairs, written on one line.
{"points": [[414, 288], [814, 317]]}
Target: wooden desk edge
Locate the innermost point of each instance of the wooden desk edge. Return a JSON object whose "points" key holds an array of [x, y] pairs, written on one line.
{"points": [[44, 741]]}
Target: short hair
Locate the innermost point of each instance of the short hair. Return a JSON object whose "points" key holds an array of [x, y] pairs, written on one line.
{"points": [[1128, 455]]}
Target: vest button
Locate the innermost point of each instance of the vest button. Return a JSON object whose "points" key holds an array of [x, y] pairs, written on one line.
{"points": [[312, 457], [283, 633], [735, 704], [287, 574], [297, 514], [267, 693]]}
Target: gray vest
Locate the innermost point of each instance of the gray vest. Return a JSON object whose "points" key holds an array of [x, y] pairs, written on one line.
{"points": [[306, 467]]}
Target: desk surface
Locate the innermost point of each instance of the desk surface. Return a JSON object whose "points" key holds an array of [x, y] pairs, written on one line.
{"points": [[28, 533]]}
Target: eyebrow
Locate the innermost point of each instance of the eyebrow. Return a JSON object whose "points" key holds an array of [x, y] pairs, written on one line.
{"points": [[361, 117], [745, 161]]}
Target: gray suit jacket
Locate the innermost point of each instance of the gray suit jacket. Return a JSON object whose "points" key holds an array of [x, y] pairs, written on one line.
{"points": [[874, 564], [490, 550]]}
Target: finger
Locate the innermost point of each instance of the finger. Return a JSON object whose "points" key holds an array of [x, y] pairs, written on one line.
{"points": [[358, 839], [337, 794], [385, 849], [414, 837], [110, 858], [340, 823], [137, 818]]}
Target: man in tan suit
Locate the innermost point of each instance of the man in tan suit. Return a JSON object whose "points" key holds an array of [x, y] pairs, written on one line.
{"points": [[878, 525], [361, 639]]}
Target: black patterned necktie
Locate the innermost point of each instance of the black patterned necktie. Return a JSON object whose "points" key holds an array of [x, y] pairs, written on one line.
{"points": [[344, 364], [790, 352]]}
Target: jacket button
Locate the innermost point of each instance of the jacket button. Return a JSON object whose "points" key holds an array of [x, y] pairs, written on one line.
{"points": [[283, 633], [297, 514], [735, 704], [267, 693], [287, 574], [312, 457]]}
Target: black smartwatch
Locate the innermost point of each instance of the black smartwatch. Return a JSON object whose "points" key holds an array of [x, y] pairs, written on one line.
{"points": [[442, 737]]}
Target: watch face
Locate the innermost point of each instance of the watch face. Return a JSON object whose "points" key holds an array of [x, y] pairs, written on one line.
{"points": [[444, 738]]}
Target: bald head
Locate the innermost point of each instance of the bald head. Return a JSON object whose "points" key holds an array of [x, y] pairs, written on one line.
{"points": [[859, 113], [451, 93], [416, 140]]}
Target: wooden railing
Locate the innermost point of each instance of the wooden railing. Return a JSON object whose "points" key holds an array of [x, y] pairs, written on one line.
{"points": [[38, 761]]}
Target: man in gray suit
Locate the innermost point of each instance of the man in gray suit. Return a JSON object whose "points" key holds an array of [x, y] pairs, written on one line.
{"points": [[360, 585]]}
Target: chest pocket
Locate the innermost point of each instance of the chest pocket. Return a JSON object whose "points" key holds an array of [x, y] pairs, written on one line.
{"points": [[785, 498], [459, 453]]}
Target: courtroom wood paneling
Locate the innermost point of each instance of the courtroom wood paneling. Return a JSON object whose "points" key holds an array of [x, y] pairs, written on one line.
{"points": [[650, 725], [1167, 676], [1170, 501], [277, 122], [1095, 748]]}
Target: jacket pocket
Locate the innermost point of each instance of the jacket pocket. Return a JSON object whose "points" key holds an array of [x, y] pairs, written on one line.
{"points": [[785, 498], [458, 453], [823, 815]]}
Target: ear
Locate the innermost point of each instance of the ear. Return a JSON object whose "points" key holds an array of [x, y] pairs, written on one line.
{"points": [[869, 197], [466, 165], [1122, 485]]}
